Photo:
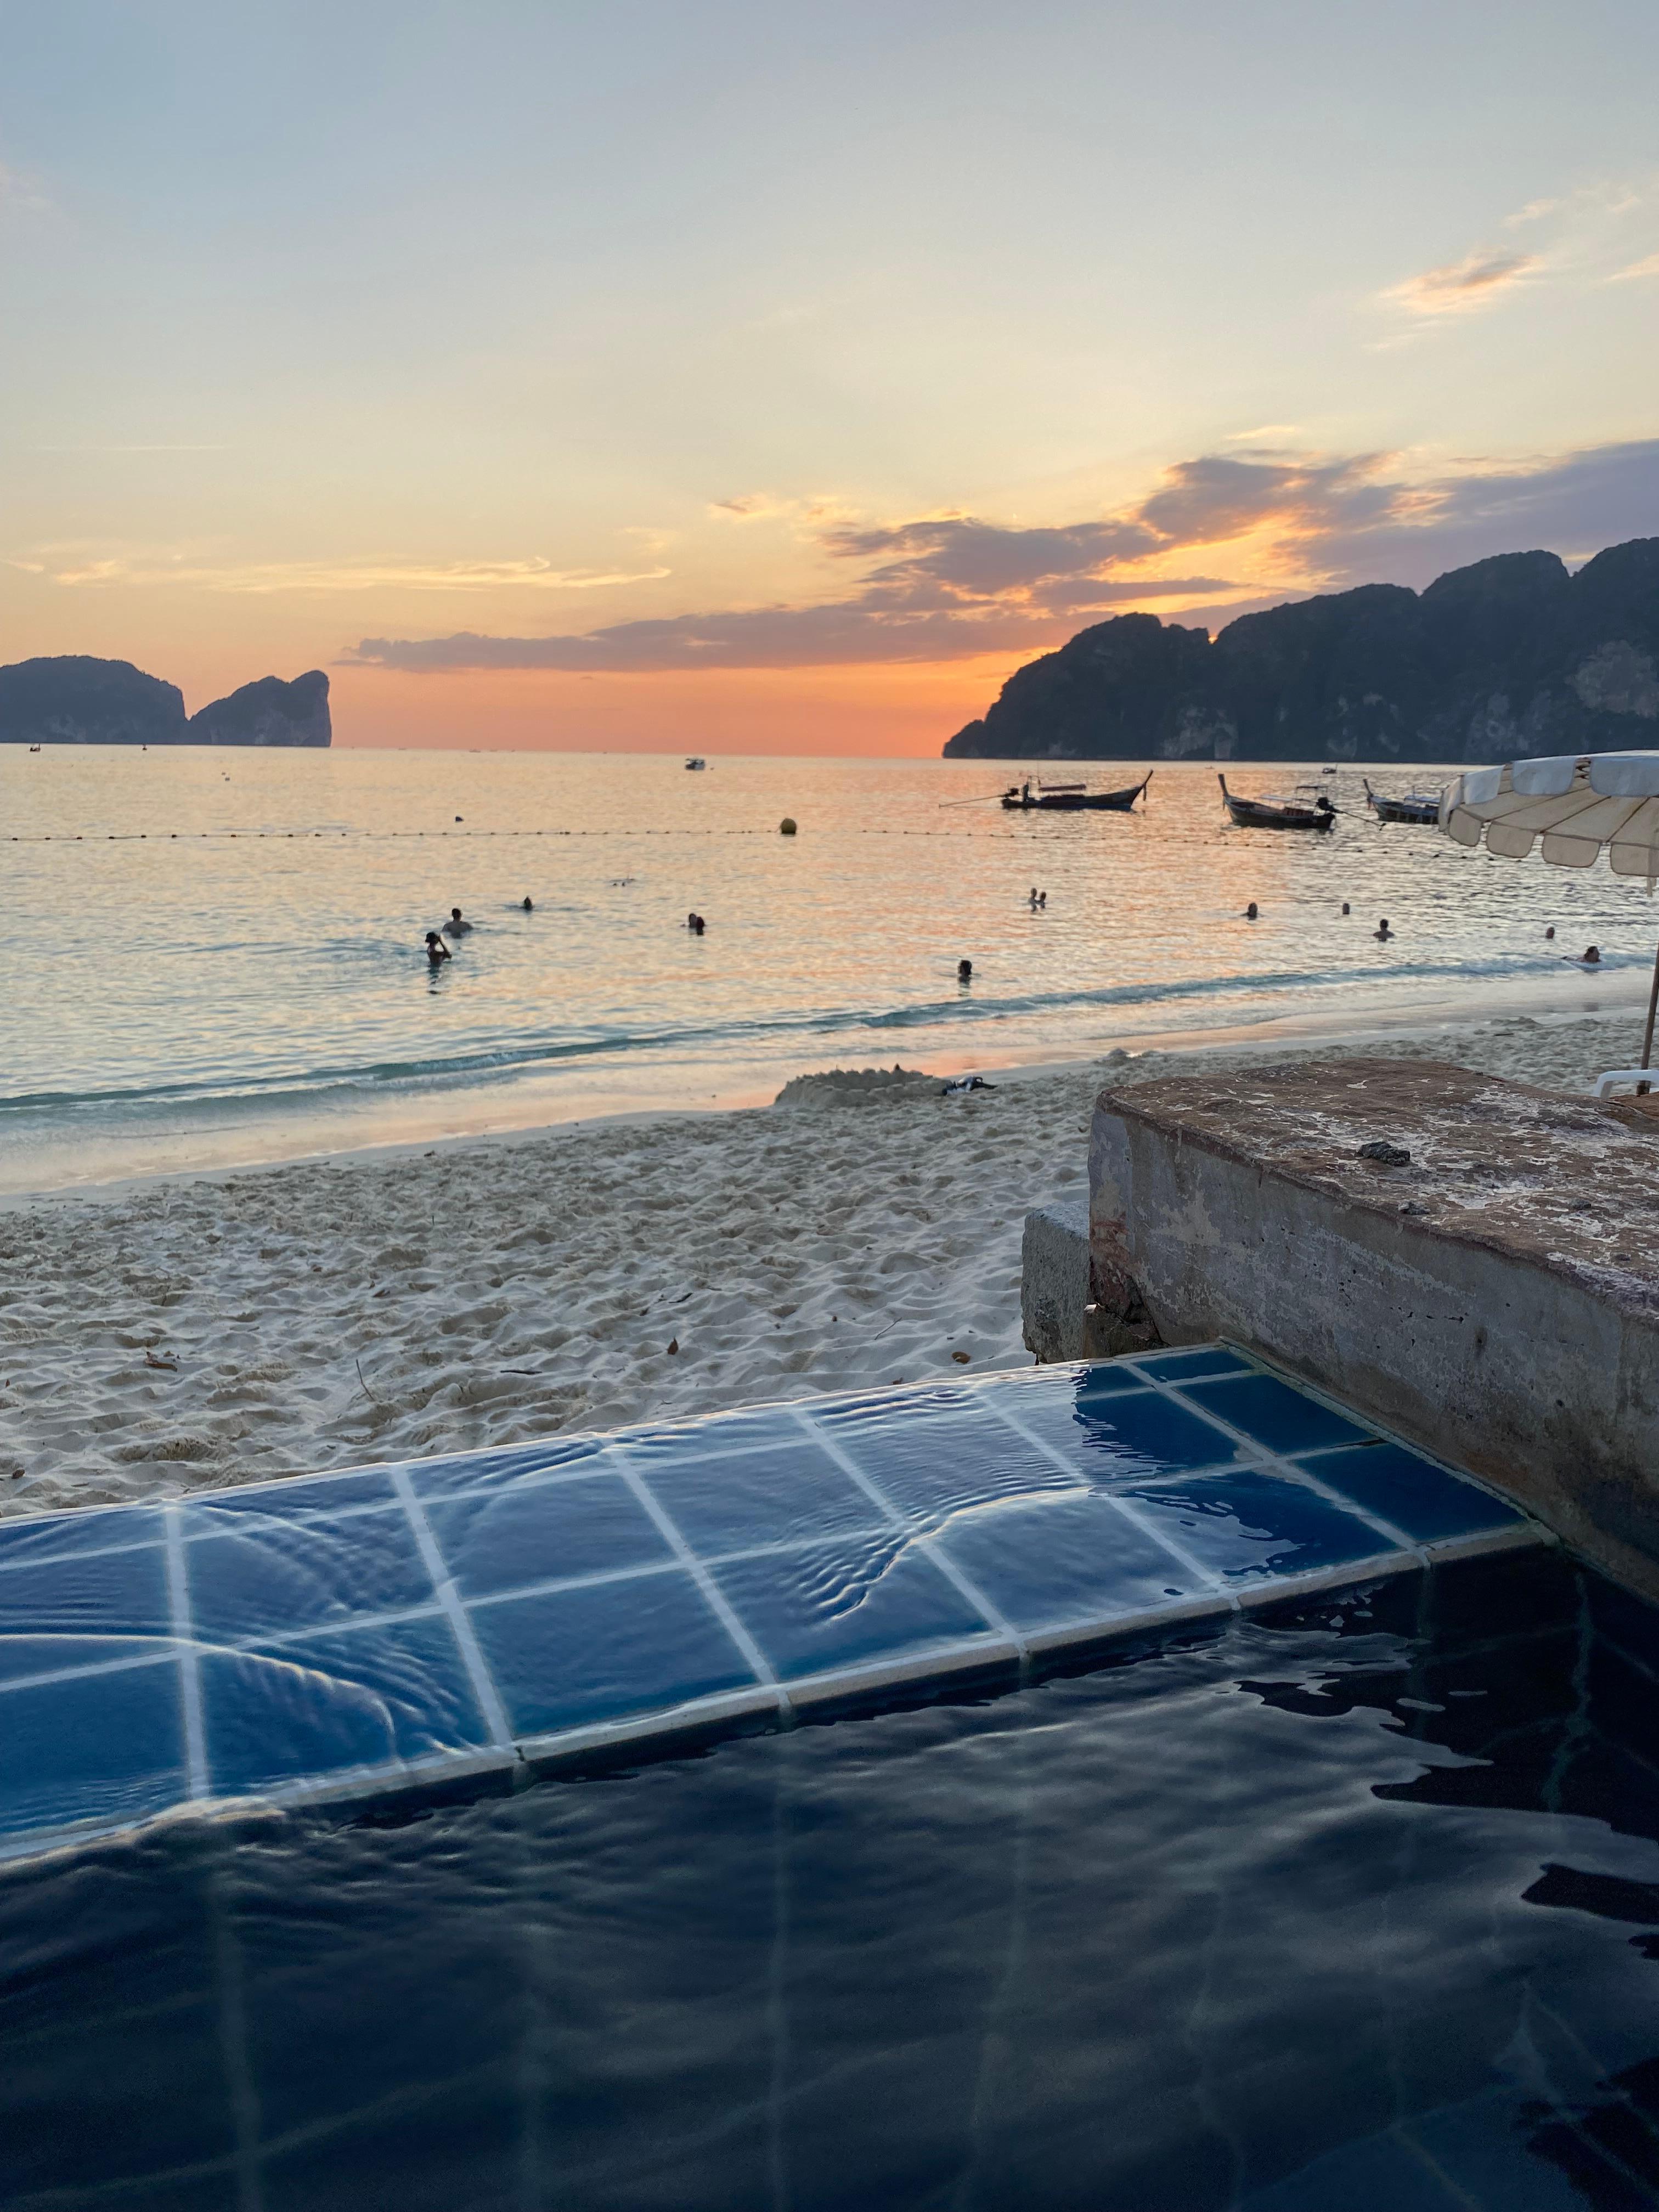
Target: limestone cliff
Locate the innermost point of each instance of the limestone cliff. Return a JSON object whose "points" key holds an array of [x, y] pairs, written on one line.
{"points": [[268, 713], [1508, 657], [71, 700]]}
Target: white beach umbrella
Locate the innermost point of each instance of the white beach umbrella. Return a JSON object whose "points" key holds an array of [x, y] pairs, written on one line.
{"points": [[1581, 805]]}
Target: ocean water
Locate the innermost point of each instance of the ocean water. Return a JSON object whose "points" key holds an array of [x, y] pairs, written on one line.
{"points": [[217, 956], [1353, 1907]]}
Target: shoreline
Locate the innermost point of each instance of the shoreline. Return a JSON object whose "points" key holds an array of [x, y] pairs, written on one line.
{"points": [[216, 1327], [1392, 1018]]}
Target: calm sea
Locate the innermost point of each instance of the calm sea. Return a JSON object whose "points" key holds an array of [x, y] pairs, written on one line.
{"points": [[217, 956]]}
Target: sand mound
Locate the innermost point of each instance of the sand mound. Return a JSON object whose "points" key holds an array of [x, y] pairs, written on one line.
{"points": [[858, 1086]]}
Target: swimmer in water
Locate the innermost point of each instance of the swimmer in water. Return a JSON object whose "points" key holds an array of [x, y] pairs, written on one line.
{"points": [[455, 926], [964, 971], [436, 950], [1591, 956], [696, 924], [530, 906], [1345, 906], [1250, 912], [1550, 931], [1383, 933]]}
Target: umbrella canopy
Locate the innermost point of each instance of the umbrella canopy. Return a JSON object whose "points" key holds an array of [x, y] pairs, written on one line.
{"points": [[1581, 805]]}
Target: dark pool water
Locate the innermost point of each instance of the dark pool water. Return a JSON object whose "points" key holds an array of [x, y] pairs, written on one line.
{"points": [[1355, 1906]]}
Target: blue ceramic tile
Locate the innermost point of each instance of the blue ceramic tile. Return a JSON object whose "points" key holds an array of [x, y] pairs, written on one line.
{"points": [[104, 1747], [838, 1605], [1187, 1366], [1065, 1560], [304, 1497], [544, 1531], [932, 1466], [1245, 1523], [715, 1436], [24, 1656], [59, 1535], [315, 1706], [1416, 1497], [461, 1472], [264, 1577], [565, 1659], [1275, 1415], [1114, 1437], [788, 1495], [102, 1593]]}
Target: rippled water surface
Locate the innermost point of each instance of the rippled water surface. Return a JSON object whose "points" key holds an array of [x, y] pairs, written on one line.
{"points": [[228, 944], [1356, 1907]]}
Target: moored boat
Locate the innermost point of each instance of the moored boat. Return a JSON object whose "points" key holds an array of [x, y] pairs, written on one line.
{"points": [[696, 761], [1073, 798], [1421, 806], [1274, 812]]}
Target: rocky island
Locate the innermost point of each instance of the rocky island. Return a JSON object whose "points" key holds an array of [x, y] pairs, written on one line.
{"points": [[1512, 656], [73, 700]]}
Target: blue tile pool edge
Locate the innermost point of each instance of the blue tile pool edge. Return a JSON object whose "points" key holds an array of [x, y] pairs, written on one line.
{"points": [[995, 1666]]}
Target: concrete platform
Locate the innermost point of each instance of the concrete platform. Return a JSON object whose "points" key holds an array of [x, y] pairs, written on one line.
{"points": [[1487, 1283]]}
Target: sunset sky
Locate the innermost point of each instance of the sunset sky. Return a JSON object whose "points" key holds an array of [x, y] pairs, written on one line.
{"points": [[771, 378]]}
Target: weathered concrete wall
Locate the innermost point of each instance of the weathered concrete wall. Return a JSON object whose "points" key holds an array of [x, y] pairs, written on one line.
{"points": [[1053, 1278], [1495, 1296]]}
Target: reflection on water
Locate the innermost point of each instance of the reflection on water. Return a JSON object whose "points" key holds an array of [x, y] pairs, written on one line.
{"points": [[1357, 1905], [235, 983]]}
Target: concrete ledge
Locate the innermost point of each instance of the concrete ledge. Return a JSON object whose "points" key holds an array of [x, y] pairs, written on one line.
{"points": [[1054, 1282], [1493, 1295]]}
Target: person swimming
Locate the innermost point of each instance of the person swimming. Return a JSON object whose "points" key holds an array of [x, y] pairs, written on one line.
{"points": [[1591, 956], [964, 971], [696, 924], [530, 906], [1251, 912], [455, 926], [1383, 933], [1549, 932], [436, 950], [1345, 906]]}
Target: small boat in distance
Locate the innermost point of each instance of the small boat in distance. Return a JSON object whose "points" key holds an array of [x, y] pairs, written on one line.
{"points": [[1276, 813], [696, 761], [1422, 806], [1073, 798]]}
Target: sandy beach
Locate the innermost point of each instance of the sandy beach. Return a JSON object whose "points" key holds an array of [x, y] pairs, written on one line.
{"points": [[182, 1334]]}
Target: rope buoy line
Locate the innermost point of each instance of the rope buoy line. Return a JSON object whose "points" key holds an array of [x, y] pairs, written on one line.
{"points": [[164, 837]]}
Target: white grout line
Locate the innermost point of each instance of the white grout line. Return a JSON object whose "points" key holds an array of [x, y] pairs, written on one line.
{"points": [[484, 1683], [1276, 1464], [753, 1655], [965, 1587], [1136, 1519], [190, 1672]]}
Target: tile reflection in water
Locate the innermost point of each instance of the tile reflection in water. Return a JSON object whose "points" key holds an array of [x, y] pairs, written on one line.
{"points": [[530, 1532], [1242, 1523]]}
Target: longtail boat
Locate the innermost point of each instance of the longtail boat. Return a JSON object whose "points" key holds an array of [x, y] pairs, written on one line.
{"points": [[1421, 806], [1276, 813], [1073, 798]]}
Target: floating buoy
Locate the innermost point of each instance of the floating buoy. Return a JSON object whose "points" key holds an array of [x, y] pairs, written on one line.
{"points": [[787, 827]]}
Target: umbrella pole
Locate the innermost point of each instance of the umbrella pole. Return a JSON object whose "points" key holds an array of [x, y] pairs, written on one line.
{"points": [[1647, 1041]]}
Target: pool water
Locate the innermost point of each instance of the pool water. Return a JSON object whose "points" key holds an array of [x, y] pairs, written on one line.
{"points": [[1349, 1901]]}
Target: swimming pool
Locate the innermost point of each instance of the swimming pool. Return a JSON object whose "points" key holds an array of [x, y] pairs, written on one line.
{"points": [[1224, 1808], [1352, 1900]]}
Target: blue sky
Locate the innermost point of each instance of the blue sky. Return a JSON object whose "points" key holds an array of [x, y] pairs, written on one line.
{"points": [[598, 373]]}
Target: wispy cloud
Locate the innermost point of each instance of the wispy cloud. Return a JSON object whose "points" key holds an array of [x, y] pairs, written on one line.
{"points": [[1648, 266], [1475, 281], [21, 193], [79, 564], [946, 588]]}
